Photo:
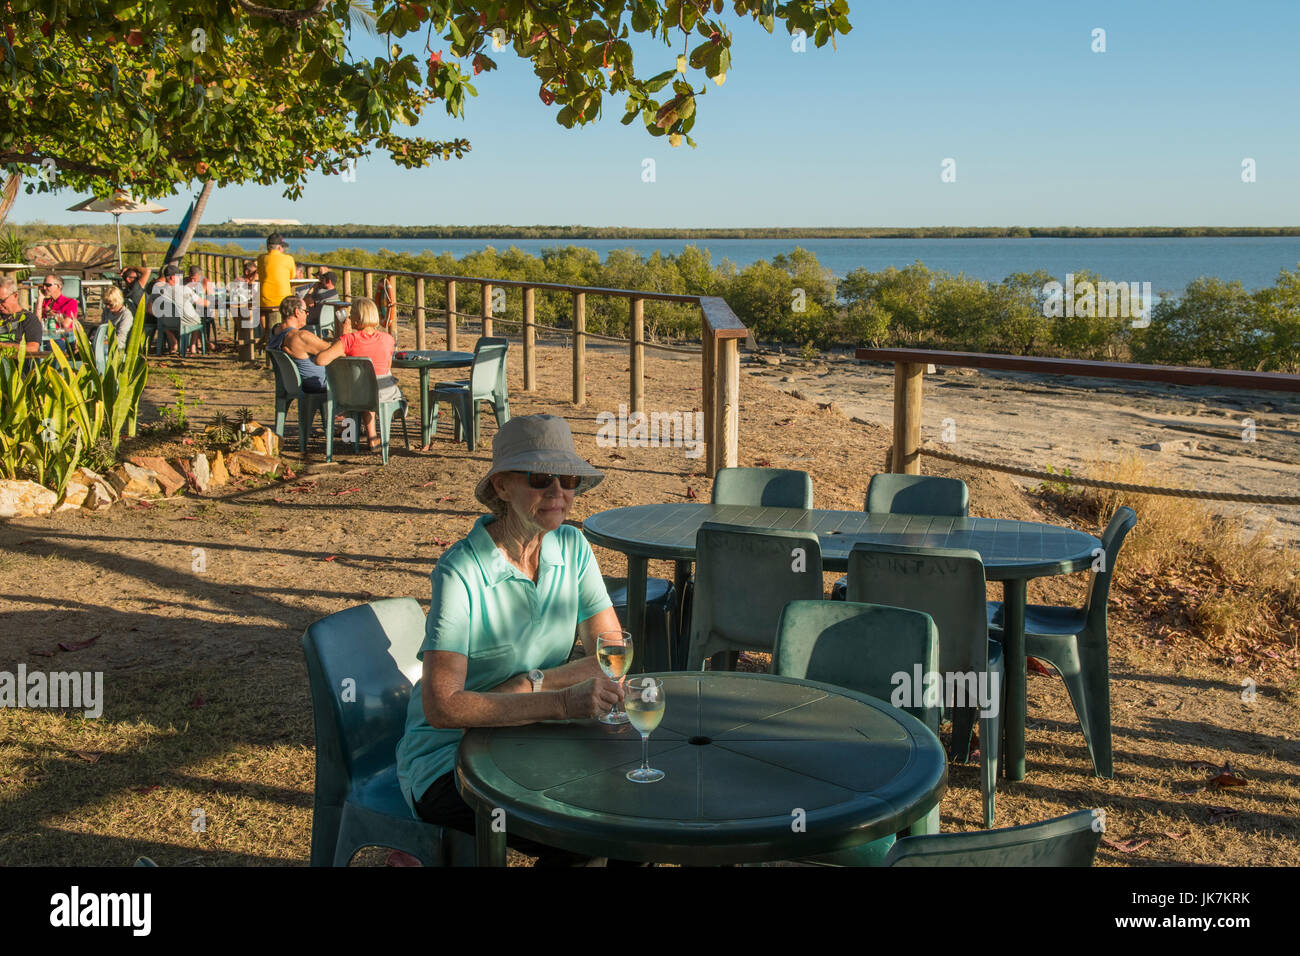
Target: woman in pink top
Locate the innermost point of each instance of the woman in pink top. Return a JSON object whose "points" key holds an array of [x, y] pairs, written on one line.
{"points": [[369, 341]]}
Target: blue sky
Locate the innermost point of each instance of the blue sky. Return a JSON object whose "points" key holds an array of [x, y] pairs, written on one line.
{"points": [[1043, 130]]}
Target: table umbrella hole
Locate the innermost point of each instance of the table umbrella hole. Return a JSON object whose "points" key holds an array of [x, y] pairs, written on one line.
{"points": [[700, 741]]}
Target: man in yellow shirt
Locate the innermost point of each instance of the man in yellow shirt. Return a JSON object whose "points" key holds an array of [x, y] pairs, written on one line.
{"points": [[274, 270]]}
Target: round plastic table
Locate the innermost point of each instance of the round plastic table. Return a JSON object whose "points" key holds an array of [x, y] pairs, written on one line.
{"points": [[1013, 552], [758, 768], [424, 360]]}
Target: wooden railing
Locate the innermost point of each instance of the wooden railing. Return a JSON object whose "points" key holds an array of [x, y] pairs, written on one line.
{"points": [[720, 334], [909, 370]]}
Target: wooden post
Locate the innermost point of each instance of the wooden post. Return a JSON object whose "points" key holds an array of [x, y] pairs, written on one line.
{"points": [[579, 348], [368, 278], [707, 360], [487, 308], [347, 285], [419, 313], [530, 333], [907, 418], [451, 315], [728, 402], [636, 328]]}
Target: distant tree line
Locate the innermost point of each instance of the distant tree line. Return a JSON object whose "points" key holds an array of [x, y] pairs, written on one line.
{"points": [[792, 299]]}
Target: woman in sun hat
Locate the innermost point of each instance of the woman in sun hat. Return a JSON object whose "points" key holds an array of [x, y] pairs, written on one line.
{"points": [[506, 601]]}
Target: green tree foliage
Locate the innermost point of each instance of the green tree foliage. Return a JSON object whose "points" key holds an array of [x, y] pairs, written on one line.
{"points": [[1215, 323], [99, 94]]}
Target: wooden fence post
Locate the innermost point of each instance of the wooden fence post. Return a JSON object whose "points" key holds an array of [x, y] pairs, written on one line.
{"points": [[707, 359], [419, 313], [636, 329], [908, 377], [368, 278], [451, 315], [487, 308], [347, 285], [728, 399], [530, 333], [579, 348]]}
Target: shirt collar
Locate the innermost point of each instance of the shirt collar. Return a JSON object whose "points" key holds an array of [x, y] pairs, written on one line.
{"points": [[492, 561]]}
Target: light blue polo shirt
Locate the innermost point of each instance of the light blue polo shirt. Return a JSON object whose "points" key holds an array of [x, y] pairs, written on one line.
{"points": [[490, 611]]}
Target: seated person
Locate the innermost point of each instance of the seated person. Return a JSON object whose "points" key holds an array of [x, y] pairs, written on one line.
{"points": [[323, 291], [300, 344], [53, 306], [521, 581], [369, 341], [19, 324], [116, 312], [289, 305], [174, 309], [134, 282]]}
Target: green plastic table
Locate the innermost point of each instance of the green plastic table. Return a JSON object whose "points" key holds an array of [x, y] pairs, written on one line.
{"points": [[757, 768], [425, 360], [1013, 552]]}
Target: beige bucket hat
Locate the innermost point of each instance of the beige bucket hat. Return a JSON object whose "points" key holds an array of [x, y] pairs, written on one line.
{"points": [[541, 443]]}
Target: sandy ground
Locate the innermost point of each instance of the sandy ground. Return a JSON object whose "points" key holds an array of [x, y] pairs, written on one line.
{"points": [[1069, 422], [207, 697]]}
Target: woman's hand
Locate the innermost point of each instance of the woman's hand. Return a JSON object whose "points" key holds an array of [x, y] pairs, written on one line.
{"points": [[591, 698]]}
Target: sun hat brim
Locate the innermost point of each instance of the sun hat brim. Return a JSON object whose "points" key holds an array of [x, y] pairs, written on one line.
{"points": [[553, 459]]}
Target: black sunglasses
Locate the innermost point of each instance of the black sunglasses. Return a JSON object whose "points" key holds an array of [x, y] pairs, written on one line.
{"points": [[541, 480]]}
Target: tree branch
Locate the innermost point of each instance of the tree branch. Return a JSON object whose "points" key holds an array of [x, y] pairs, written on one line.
{"points": [[290, 18]]}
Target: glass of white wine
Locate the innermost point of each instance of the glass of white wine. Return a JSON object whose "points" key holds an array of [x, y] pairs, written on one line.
{"points": [[614, 654], [645, 702]]}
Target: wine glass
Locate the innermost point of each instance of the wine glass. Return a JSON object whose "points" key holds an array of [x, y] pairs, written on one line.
{"points": [[614, 654], [645, 702]]}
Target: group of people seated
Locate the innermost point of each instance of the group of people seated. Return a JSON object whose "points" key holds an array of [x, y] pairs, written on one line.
{"points": [[358, 334], [54, 312]]}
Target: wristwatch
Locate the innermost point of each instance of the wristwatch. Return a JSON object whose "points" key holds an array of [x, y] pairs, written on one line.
{"points": [[536, 677]]}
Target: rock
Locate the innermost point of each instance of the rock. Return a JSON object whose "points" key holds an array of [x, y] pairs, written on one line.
{"points": [[769, 359], [830, 407], [220, 475], [232, 465], [250, 462], [73, 495], [100, 496], [129, 480], [201, 471], [860, 421], [265, 441], [1164, 446], [787, 378], [22, 499], [167, 477], [86, 477], [929, 370], [799, 395]]}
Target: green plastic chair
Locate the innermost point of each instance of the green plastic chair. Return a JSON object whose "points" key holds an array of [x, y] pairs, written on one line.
{"points": [[660, 603], [744, 580], [99, 345], [486, 383], [368, 653], [325, 326], [1077, 643], [351, 386], [910, 495], [948, 584], [861, 647], [288, 389], [1070, 840], [73, 290], [767, 487]]}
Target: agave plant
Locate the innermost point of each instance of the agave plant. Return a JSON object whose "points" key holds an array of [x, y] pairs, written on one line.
{"points": [[244, 415], [221, 430]]}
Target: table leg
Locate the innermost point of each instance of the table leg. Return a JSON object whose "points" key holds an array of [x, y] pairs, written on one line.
{"points": [[426, 409], [1013, 658], [649, 658], [681, 614], [490, 842]]}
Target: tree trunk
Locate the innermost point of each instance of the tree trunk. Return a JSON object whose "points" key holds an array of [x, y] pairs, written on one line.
{"points": [[8, 194], [188, 237]]}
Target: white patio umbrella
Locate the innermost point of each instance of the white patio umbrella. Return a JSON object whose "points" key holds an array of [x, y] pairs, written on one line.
{"points": [[117, 204]]}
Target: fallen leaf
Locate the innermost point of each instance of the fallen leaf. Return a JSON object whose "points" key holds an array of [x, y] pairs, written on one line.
{"points": [[330, 558], [1126, 846], [1034, 666], [197, 702], [150, 788], [279, 501], [615, 455], [1226, 778], [1177, 836], [187, 441], [1221, 813], [442, 544], [446, 498], [398, 858], [762, 463], [77, 645], [90, 756], [427, 484], [189, 518], [364, 595], [345, 491], [690, 494]]}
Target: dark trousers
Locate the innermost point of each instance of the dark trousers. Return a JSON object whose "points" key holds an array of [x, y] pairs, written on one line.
{"points": [[442, 805]]}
